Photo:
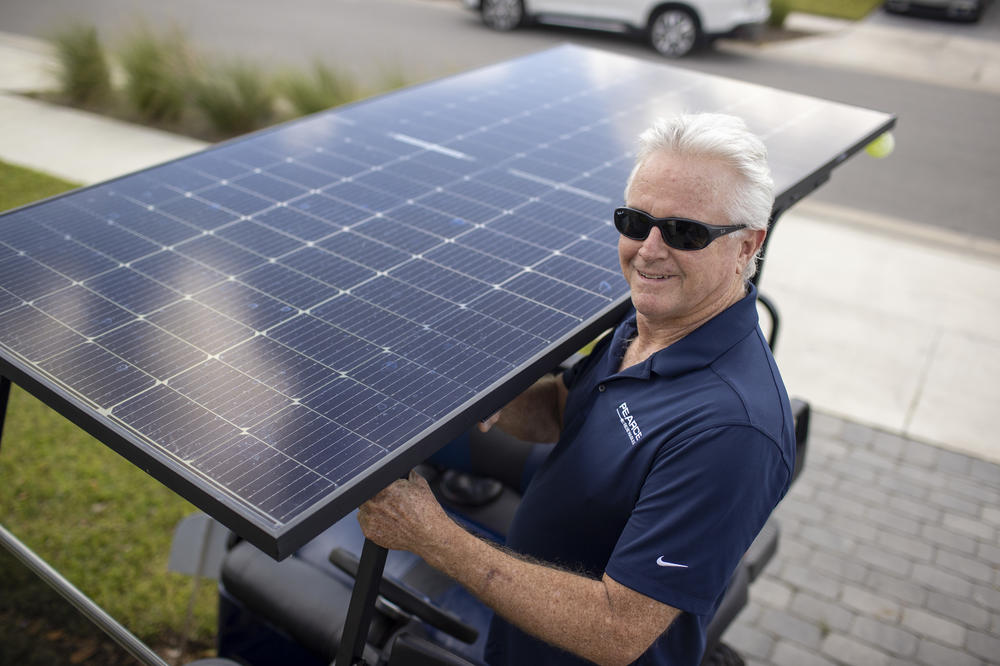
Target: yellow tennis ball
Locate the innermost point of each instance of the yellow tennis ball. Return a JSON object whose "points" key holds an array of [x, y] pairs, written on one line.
{"points": [[882, 146]]}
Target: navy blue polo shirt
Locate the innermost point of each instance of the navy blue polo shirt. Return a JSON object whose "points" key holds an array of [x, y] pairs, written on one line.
{"points": [[664, 474]]}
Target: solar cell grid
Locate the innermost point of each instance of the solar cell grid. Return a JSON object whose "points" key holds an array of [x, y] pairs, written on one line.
{"points": [[182, 427], [376, 325], [201, 326], [423, 173], [8, 301], [281, 324], [203, 214], [151, 349], [29, 279], [175, 175], [156, 227], [178, 272], [403, 299], [297, 172], [424, 216], [277, 366], [275, 189], [217, 166], [367, 412], [473, 263], [488, 194], [333, 212], [365, 251], [333, 347], [28, 332], [288, 285], [259, 238], [83, 311], [337, 166], [97, 374], [246, 305], [397, 234], [22, 232], [440, 281], [229, 393], [327, 268], [295, 221]]}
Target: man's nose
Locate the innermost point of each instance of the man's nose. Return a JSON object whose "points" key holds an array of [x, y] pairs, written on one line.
{"points": [[654, 245]]}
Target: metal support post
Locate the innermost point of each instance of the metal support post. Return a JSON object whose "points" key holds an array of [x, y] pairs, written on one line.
{"points": [[354, 636], [4, 397]]}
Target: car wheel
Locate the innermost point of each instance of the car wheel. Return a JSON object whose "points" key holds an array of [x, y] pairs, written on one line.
{"points": [[503, 14], [674, 32]]}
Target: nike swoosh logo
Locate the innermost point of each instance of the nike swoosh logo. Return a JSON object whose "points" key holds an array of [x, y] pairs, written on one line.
{"points": [[663, 563]]}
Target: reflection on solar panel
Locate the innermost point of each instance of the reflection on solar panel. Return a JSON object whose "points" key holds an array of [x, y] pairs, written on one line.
{"points": [[278, 326]]}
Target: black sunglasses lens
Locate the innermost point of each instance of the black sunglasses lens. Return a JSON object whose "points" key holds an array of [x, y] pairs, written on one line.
{"points": [[632, 224], [688, 235]]}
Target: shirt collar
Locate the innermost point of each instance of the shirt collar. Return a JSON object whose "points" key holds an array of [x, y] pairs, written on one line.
{"points": [[697, 349]]}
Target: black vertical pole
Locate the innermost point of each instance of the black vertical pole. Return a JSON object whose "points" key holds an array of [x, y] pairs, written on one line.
{"points": [[775, 214], [350, 652], [4, 396]]}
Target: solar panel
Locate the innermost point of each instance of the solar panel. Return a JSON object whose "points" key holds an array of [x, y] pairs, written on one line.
{"points": [[280, 325]]}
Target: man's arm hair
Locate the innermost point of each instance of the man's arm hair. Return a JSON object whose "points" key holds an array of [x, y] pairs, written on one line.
{"points": [[537, 414], [598, 619]]}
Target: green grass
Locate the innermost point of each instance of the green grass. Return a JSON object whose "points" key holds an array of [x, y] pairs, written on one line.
{"points": [[845, 9], [100, 521], [19, 186]]}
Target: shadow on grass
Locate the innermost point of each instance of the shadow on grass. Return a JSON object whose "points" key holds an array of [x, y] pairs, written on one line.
{"points": [[38, 627]]}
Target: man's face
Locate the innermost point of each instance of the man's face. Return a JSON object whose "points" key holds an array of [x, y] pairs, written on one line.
{"points": [[675, 287]]}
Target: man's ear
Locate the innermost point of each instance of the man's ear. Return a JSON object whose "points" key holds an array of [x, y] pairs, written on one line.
{"points": [[750, 241]]}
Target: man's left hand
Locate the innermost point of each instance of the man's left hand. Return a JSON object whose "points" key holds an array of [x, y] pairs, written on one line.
{"points": [[404, 516]]}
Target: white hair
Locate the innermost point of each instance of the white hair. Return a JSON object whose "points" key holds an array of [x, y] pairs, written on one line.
{"points": [[726, 139]]}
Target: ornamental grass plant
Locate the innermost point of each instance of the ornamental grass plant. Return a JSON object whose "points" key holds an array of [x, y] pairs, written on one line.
{"points": [[166, 83], [159, 70], [83, 72], [323, 87], [235, 97]]}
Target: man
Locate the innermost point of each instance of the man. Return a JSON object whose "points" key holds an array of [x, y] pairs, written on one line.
{"points": [[674, 436]]}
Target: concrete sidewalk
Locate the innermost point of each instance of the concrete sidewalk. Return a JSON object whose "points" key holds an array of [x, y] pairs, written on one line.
{"points": [[887, 48], [889, 551]]}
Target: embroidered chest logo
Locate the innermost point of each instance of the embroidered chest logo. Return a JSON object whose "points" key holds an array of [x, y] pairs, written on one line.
{"points": [[629, 423]]}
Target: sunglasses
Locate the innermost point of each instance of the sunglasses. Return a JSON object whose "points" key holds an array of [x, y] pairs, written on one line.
{"points": [[678, 232]]}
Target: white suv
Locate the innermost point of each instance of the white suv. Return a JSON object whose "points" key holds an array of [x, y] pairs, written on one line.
{"points": [[673, 28]]}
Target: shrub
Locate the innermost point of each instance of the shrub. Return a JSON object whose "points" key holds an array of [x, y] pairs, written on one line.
{"points": [[157, 71], [779, 12], [84, 75], [235, 98], [325, 88]]}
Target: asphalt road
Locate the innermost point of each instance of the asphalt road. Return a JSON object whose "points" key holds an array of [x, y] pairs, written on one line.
{"points": [[942, 174]]}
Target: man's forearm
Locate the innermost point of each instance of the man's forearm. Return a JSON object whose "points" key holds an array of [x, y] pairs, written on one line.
{"points": [[600, 620], [568, 610], [536, 414]]}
